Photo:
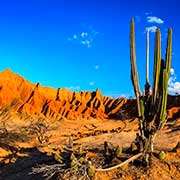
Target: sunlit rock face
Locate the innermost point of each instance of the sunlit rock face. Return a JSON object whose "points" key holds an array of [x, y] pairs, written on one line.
{"points": [[21, 96]]}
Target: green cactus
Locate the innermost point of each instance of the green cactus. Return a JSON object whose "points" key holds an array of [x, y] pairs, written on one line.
{"points": [[134, 73], [157, 67], [169, 51], [162, 155], [59, 158], [147, 56], [151, 107], [118, 151], [91, 170]]}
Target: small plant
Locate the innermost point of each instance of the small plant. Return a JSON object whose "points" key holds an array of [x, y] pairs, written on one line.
{"points": [[39, 128], [59, 158], [111, 152], [118, 151], [162, 155], [91, 170], [5, 116], [70, 166]]}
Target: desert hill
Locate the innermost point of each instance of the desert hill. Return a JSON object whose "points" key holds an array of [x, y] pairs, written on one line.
{"points": [[20, 95]]}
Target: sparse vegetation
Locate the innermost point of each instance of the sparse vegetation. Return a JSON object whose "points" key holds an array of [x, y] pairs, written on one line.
{"points": [[71, 165], [162, 155], [5, 116], [39, 128]]}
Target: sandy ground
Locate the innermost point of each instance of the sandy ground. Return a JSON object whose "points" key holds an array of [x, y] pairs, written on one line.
{"points": [[20, 150]]}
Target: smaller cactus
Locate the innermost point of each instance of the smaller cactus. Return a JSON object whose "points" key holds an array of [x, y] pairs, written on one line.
{"points": [[118, 151], [80, 149], [74, 161], [82, 160], [91, 169], [58, 158], [73, 157], [162, 155]]}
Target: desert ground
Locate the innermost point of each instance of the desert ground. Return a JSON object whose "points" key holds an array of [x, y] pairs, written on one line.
{"points": [[20, 150]]}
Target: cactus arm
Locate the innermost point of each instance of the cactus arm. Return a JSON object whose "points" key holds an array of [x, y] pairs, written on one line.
{"points": [[147, 56], [134, 73], [157, 65], [134, 77], [169, 51], [163, 114], [166, 72]]}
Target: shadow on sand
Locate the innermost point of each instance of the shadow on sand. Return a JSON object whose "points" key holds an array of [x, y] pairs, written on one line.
{"points": [[22, 166]]}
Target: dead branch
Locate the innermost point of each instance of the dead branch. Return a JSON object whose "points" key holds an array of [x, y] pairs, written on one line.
{"points": [[120, 165]]}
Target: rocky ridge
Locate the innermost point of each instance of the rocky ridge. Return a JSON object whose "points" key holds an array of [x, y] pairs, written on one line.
{"points": [[24, 97]]}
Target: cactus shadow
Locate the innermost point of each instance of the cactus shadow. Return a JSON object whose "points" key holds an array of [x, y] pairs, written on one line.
{"points": [[21, 167]]}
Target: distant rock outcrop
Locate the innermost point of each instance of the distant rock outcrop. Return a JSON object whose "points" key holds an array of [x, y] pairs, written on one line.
{"points": [[33, 99], [24, 97]]}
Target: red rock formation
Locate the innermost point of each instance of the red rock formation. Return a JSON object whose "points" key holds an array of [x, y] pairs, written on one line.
{"points": [[24, 97], [33, 99], [173, 108]]}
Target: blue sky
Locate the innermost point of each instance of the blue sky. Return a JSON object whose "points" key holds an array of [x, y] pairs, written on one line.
{"points": [[84, 44]]}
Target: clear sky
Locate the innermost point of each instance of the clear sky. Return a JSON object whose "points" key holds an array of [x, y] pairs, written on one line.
{"points": [[84, 44]]}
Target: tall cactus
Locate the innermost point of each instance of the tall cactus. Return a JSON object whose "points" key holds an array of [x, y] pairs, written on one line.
{"points": [[151, 107]]}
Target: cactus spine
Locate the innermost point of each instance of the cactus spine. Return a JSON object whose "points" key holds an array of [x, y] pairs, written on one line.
{"points": [[151, 107]]}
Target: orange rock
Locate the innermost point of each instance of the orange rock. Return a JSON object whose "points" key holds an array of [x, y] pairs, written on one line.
{"points": [[22, 96], [173, 111]]}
